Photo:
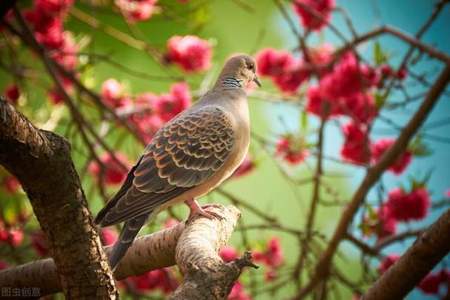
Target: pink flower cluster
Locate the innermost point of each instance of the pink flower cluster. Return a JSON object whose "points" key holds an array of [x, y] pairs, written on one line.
{"points": [[246, 167], [432, 282], [148, 112], [110, 171], [12, 93], [161, 279], [314, 14], [272, 257], [286, 72], [402, 162], [238, 292], [291, 149], [10, 184], [190, 53], [46, 18], [410, 206], [356, 147], [344, 91], [136, 10], [401, 206], [11, 232]]}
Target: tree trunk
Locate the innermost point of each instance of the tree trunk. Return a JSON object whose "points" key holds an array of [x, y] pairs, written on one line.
{"points": [[42, 162]]}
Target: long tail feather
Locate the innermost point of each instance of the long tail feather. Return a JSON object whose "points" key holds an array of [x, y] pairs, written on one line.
{"points": [[129, 232]]}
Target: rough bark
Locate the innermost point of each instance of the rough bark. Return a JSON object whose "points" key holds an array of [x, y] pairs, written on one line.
{"points": [[206, 276], [429, 248], [147, 253], [193, 247], [42, 162]]}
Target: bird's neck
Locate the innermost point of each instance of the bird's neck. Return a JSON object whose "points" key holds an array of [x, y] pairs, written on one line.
{"points": [[229, 83]]}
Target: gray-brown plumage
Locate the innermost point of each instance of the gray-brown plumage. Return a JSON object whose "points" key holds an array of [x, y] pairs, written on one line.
{"points": [[188, 157]]}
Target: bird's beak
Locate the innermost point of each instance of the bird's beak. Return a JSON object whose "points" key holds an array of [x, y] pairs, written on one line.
{"points": [[256, 80]]}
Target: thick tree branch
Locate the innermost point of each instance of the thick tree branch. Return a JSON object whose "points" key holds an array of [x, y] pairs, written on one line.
{"points": [[206, 276], [149, 252], [41, 161], [193, 247], [429, 248], [374, 173]]}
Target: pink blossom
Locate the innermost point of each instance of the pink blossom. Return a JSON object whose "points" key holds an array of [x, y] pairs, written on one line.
{"points": [[48, 29], [11, 184], [356, 147], [113, 172], [158, 279], [108, 236], [12, 93], [286, 72], [290, 80], [314, 14], [245, 167], [274, 253], [167, 106], [386, 70], [318, 105], [190, 52], [408, 207], [13, 236], [238, 293], [402, 74], [347, 78], [3, 265], [290, 150], [402, 162], [53, 7], [387, 224], [270, 275], [147, 125], [55, 96], [272, 62], [430, 284], [321, 56], [66, 55], [137, 10], [387, 262], [228, 253], [112, 92]]}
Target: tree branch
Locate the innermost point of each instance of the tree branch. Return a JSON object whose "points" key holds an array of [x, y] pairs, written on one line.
{"points": [[193, 247], [41, 161], [429, 248]]}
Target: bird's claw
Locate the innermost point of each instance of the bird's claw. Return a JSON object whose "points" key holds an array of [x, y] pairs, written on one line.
{"points": [[196, 210]]}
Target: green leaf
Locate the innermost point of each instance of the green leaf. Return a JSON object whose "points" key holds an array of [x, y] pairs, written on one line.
{"points": [[380, 100], [418, 147], [304, 121], [378, 55]]}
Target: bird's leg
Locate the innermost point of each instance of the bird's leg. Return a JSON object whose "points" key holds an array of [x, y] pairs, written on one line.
{"points": [[195, 209]]}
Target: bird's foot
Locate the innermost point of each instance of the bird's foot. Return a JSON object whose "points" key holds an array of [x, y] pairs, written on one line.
{"points": [[196, 209]]}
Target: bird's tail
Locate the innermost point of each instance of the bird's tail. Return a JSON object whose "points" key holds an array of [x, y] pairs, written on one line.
{"points": [[129, 231]]}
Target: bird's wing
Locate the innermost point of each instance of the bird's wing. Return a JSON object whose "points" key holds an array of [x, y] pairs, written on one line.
{"points": [[182, 155]]}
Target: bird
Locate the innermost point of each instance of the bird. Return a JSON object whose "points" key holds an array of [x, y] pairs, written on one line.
{"points": [[188, 157]]}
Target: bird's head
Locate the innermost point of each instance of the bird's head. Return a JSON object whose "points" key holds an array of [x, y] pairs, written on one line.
{"points": [[238, 70]]}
